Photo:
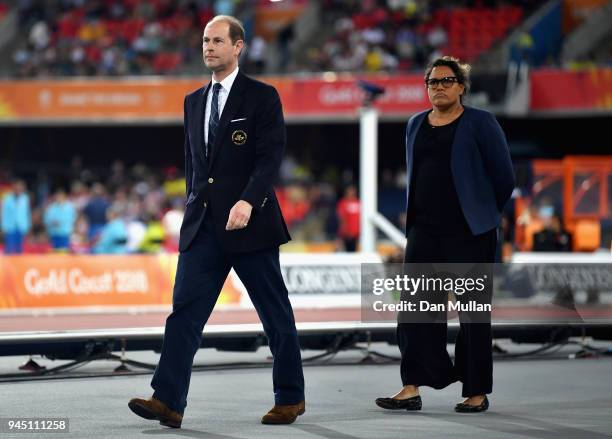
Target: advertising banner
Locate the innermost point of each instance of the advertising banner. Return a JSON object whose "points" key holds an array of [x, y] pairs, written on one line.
{"points": [[560, 90], [319, 97], [61, 281], [100, 100], [85, 281]]}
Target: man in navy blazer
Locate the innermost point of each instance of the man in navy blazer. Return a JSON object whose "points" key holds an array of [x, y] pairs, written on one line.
{"points": [[480, 163], [234, 142]]}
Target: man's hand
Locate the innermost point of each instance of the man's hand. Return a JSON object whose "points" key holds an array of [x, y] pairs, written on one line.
{"points": [[239, 216]]}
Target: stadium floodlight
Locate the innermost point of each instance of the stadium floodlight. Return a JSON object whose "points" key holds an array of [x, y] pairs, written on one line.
{"points": [[368, 173]]}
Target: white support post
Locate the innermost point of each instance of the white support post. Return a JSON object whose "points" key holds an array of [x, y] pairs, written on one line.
{"points": [[368, 169]]}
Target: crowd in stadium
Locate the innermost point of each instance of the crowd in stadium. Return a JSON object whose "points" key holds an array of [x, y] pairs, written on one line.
{"points": [[132, 210], [133, 37], [404, 35], [139, 210], [127, 37]]}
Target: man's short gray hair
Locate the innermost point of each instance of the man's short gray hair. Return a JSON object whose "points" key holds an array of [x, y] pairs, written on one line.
{"points": [[236, 29]]}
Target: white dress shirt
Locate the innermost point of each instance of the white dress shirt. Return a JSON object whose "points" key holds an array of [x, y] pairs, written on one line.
{"points": [[226, 86]]}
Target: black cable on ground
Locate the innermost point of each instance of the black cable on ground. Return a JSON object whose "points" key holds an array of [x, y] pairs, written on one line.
{"points": [[54, 370], [340, 344]]}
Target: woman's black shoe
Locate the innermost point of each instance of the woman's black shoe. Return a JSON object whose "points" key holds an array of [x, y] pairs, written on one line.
{"points": [[413, 403], [467, 408]]}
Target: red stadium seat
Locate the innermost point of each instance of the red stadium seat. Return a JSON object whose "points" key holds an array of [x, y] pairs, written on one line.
{"points": [[205, 16], [68, 26], [133, 28], [471, 32], [166, 62]]}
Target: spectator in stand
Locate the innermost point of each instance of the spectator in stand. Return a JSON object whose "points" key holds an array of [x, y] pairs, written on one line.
{"points": [[136, 230], [95, 210], [59, 219], [172, 221], [79, 195], [37, 241], [348, 212], [257, 55], [285, 37], [525, 47], [114, 235], [437, 38], [553, 237], [378, 59], [39, 35], [79, 242], [154, 236], [16, 217], [174, 184], [224, 7]]}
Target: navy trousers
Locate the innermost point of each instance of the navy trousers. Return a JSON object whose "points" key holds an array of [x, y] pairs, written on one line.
{"points": [[201, 272]]}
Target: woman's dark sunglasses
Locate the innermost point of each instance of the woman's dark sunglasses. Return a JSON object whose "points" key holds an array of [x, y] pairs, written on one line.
{"points": [[447, 82]]}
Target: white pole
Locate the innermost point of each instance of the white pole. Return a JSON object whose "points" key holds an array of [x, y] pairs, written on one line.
{"points": [[368, 167], [387, 227]]}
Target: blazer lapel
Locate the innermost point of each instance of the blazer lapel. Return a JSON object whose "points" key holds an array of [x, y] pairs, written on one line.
{"points": [[198, 117], [229, 111], [460, 142], [412, 135]]}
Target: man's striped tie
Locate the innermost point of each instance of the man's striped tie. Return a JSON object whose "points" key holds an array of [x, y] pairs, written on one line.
{"points": [[213, 122]]}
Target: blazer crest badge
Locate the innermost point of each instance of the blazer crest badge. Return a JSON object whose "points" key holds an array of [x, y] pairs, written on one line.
{"points": [[239, 137]]}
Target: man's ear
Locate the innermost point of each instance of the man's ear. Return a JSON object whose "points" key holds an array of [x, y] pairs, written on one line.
{"points": [[240, 46]]}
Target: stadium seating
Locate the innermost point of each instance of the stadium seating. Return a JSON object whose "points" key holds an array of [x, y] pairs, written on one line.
{"points": [[473, 31], [127, 37], [411, 37]]}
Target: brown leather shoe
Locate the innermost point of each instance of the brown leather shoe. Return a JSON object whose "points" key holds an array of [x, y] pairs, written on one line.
{"points": [[284, 414], [155, 409]]}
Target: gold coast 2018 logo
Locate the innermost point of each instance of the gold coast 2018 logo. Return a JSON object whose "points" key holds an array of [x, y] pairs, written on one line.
{"points": [[239, 137]]}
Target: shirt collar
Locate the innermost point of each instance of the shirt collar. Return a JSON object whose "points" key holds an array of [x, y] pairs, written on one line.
{"points": [[227, 83]]}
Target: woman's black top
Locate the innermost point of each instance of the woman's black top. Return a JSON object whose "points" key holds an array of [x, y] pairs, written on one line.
{"points": [[433, 203]]}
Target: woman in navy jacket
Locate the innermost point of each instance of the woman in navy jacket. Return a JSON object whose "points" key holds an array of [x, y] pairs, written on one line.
{"points": [[460, 176]]}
